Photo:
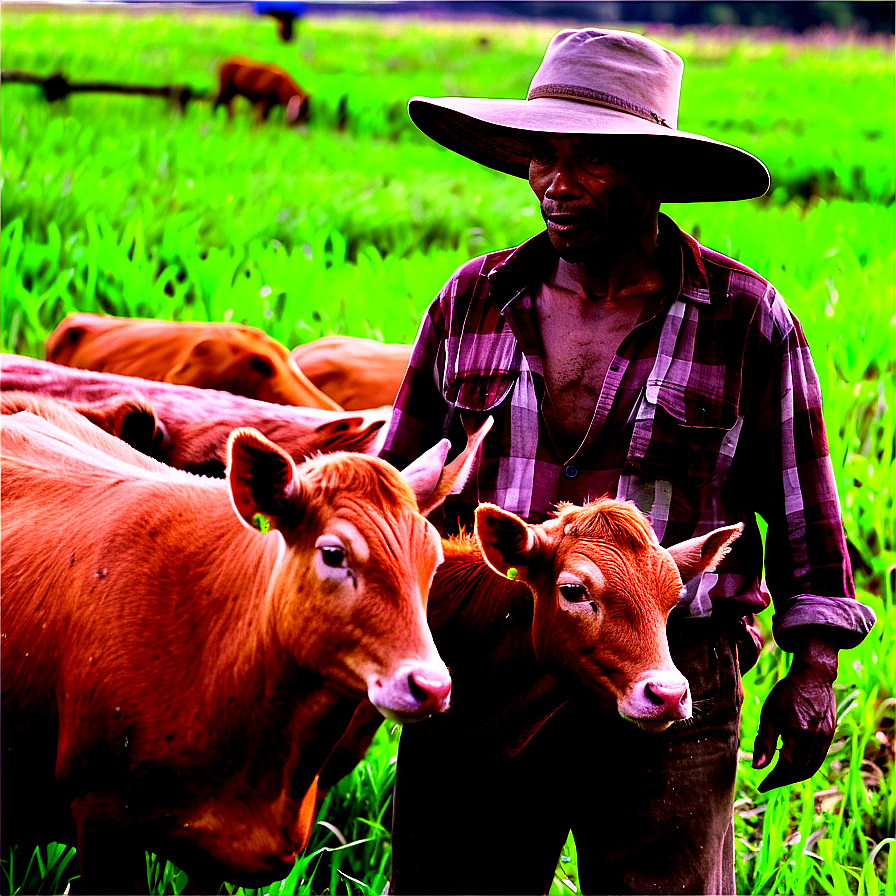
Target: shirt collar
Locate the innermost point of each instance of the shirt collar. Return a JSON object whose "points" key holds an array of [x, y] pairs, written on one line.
{"points": [[529, 263], [524, 267]]}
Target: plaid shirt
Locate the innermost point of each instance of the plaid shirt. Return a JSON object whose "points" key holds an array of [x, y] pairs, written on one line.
{"points": [[710, 415]]}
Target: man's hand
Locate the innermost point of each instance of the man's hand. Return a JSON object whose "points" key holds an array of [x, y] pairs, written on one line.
{"points": [[801, 710]]}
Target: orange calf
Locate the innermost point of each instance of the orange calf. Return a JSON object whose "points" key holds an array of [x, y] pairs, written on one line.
{"points": [[585, 613], [173, 679]]}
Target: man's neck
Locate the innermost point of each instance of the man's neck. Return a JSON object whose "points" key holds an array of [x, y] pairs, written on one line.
{"points": [[616, 274], [631, 277]]}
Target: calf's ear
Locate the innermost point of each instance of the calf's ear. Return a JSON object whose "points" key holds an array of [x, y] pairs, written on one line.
{"points": [[204, 362], [134, 421], [261, 477], [704, 553], [432, 481], [505, 540], [349, 433]]}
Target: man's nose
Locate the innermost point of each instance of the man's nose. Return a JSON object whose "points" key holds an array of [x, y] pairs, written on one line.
{"points": [[563, 184]]}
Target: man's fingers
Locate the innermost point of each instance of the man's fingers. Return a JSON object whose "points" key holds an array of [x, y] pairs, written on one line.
{"points": [[799, 758], [817, 754], [780, 776], [766, 739]]}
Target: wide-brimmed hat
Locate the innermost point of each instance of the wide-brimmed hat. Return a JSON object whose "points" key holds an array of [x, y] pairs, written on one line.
{"points": [[613, 83]]}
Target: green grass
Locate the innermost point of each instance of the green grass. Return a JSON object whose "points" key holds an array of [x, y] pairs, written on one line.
{"points": [[117, 205]]}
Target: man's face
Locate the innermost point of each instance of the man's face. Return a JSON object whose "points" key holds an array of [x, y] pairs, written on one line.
{"points": [[596, 206]]}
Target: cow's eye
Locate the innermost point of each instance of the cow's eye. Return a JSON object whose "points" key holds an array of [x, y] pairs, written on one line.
{"points": [[332, 556], [574, 593]]}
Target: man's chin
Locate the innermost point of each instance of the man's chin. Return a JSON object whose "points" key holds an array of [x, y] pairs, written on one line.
{"points": [[597, 254]]}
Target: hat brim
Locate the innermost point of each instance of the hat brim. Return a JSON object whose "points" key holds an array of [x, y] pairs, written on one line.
{"points": [[497, 133]]}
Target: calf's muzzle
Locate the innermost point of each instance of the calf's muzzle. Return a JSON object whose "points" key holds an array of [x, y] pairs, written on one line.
{"points": [[412, 692], [657, 699]]}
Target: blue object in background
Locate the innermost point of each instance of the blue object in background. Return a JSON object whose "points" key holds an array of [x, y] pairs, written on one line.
{"points": [[284, 11]]}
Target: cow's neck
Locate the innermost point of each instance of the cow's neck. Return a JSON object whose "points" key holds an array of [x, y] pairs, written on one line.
{"points": [[482, 626], [241, 665]]}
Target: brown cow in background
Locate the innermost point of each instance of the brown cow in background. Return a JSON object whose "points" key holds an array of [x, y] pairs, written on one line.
{"points": [[264, 85], [232, 357], [355, 373], [194, 423]]}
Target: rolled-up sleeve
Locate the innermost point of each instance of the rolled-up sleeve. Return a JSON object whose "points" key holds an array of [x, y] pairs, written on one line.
{"points": [[806, 562]]}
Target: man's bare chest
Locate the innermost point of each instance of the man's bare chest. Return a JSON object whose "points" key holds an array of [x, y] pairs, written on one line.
{"points": [[578, 348]]}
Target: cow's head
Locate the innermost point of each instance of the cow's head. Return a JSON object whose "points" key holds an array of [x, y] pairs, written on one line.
{"points": [[246, 362], [604, 589], [298, 109], [353, 577]]}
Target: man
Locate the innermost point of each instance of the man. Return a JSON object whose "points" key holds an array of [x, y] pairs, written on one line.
{"points": [[617, 356]]}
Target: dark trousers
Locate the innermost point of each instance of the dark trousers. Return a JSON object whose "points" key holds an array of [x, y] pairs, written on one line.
{"points": [[651, 813]]}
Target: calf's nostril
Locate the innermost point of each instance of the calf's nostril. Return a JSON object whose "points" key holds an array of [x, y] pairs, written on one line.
{"points": [[663, 695], [418, 693], [424, 688]]}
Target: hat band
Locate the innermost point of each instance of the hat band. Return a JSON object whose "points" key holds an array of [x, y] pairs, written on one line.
{"points": [[608, 100]]}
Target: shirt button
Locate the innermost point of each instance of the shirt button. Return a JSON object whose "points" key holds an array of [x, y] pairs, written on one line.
{"points": [[570, 472]]}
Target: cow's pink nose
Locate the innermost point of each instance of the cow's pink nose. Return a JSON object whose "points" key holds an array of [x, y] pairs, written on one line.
{"points": [[669, 696], [429, 688], [412, 693]]}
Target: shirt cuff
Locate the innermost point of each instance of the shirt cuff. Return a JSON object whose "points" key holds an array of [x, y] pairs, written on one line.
{"points": [[847, 620]]}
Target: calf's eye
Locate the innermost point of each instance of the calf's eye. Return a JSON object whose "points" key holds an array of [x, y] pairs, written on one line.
{"points": [[574, 593], [332, 556]]}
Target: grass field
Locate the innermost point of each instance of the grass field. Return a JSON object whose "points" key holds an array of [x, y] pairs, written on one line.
{"points": [[117, 204]]}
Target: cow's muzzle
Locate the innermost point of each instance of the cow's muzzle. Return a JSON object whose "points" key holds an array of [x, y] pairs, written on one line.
{"points": [[657, 700], [412, 692]]}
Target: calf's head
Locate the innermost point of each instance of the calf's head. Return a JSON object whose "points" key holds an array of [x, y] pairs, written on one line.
{"points": [[297, 109], [352, 581], [248, 363], [604, 589]]}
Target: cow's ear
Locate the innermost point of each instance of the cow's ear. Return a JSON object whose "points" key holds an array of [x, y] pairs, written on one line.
{"points": [[505, 540], [704, 553], [261, 477], [432, 481], [350, 433], [202, 361], [134, 421]]}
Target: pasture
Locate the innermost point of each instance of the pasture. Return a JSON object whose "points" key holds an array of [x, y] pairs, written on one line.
{"points": [[351, 223]]}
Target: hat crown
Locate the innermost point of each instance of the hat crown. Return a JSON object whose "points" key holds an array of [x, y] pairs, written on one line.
{"points": [[615, 69]]}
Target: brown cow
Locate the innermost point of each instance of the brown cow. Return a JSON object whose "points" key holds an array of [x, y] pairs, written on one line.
{"points": [[173, 679], [198, 421], [355, 373], [585, 612], [264, 85], [232, 357]]}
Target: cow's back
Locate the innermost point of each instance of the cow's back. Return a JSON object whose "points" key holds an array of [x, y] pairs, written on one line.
{"points": [[238, 358], [198, 421], [70, 513], [118, 345], [355, 373]]}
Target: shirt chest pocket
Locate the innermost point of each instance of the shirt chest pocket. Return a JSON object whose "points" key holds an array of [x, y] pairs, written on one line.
{"points": [[479, 393], [685, 436]]}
